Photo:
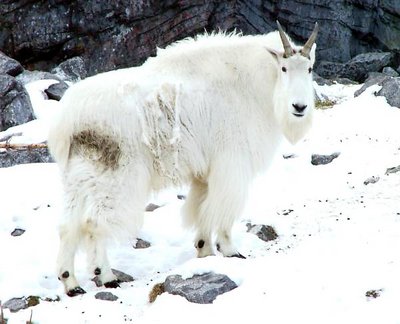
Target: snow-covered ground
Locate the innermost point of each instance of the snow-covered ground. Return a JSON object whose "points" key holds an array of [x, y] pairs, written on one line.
{"points": [[338, 237]]}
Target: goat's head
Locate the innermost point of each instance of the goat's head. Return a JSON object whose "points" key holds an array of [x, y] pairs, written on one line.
{"points": [[294, 95]]}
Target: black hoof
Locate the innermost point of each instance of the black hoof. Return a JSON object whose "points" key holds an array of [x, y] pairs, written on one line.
{"points": [[112, 284], [237, 255], [75, 292]]}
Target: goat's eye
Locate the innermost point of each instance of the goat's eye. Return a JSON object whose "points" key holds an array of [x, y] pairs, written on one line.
{"points": [[284, 69], [309, 70]]}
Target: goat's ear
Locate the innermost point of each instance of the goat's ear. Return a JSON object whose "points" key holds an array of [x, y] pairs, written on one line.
{"points": [[275, 54], [312, 53]]}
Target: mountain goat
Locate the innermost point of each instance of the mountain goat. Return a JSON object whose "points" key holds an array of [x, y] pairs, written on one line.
{"points": [[206, 111]]}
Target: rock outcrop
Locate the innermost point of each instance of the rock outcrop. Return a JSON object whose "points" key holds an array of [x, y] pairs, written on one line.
{"points": [[122, 33]]}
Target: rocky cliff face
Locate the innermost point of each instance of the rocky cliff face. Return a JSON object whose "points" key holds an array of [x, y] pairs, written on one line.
{"points": [[122, 33]]}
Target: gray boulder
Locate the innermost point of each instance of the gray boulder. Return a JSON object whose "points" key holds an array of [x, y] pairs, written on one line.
{"points": [[200, 289], [11, 157], [390, 87], [391, 90], [73, 69], [9, 66], [390, 71], [373, 78], [16, 304], [15, 104], [122, 33], [358, 68]]}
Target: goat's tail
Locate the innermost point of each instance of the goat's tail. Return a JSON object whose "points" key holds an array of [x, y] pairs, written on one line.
{"points": [[59, 138]]}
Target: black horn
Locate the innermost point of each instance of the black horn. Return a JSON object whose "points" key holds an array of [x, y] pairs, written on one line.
{"points": [[308, 45], [286, 44]]}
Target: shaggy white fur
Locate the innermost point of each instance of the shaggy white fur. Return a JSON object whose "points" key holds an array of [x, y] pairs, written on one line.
{"points": [[208, 112]]}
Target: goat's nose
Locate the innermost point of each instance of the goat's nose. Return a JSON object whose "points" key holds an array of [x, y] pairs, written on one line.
{"points": [[299, 107]]}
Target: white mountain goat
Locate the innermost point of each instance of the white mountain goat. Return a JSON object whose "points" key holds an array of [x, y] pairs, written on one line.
{"points": [[208, 112]]}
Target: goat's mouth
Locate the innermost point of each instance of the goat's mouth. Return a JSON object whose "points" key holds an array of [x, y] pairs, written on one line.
{"points": [[298, 115]]}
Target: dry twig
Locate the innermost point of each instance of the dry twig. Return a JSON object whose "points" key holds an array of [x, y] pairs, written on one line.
{"points": [[9, 146]]}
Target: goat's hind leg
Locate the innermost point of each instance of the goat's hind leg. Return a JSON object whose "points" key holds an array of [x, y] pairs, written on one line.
{"points": [[98, 262], [69, 241]]}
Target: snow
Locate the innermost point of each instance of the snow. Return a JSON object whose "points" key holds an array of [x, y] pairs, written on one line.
{"points": [[338, 238]]}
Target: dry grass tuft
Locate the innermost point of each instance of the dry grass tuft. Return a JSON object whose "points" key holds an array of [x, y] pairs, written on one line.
{"points": [[157, 290]]}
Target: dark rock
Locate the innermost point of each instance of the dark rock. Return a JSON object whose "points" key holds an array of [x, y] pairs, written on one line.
{"points": [[373, 293], [289, 156], [373, 78], [392, 170], [121, 277], [200, 289], [73, 69], [9, 157], [121, 33], [15, 104], [141, 244], [317, 159], [373, 179], [358, 68], [56, 90], [151, 207], [105, 295], [320, 80], [17, 232], [390, 90], [329, 70], [9, 66], [263, 232]]}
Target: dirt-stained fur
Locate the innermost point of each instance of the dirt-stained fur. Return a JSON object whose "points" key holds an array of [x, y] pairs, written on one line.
{"points": [[97, 147]]}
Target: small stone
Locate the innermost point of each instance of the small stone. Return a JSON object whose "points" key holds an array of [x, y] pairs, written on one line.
{"points": [[141, 244], [151, 207], [121, 277], [263, 232], [373, 179], [56, 91], [317, 159], [392, 170], [373, 293], [17, 232], [289, 156], [106, 295]]}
